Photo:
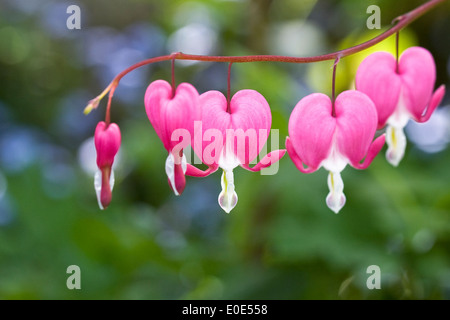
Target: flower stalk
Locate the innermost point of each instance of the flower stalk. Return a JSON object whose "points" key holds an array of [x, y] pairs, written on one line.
{"points": [[398, 24]]}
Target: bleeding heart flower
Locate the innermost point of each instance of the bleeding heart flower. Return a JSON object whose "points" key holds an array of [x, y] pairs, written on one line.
{"points": [[232, 135], [168, 113], [317, 138], [400, 92], [107, 143]]}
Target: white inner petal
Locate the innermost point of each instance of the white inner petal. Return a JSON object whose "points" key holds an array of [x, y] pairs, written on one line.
{"points": [[228, 197], [401, 115], [98, 185], [336, 161], [228, 160], [395, 137], [170, 170], [396, 141], [336, 198]]}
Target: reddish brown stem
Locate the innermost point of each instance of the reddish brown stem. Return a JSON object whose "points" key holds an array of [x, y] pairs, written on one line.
{"points": [[333, 87], [397, 41], [399, 23], [229, 88], [173, 77], [108, 107]]}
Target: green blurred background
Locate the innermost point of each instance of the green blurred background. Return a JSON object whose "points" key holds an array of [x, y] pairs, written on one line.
{"points": [[281, 241]]}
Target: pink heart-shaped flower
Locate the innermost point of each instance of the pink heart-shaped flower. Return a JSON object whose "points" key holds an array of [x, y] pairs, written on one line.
{"points": [[317, 138], [232, 134], [168, 112], [400, 92], [409, 88], [172, 115], [107, 141], [245, 128], [315, 135]]}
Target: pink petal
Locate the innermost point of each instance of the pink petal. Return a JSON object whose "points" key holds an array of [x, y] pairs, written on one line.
{"points": [[418, 74], [196, 172], [103, 184], [311, 130], [215, 120], [246, 127], [356, 124], [107, 143], [436, 99], [295, 158], [106, 192], [267, 161], [377, 77], [250, 113], [180, 180], [167, 113], [157, 92], [374, 149], [175, 167]]}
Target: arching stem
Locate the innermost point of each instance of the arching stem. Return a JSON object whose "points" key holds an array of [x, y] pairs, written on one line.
{"points": [[333, 87], [173, 76], [398, 24], [397, 37], [229, 88]]}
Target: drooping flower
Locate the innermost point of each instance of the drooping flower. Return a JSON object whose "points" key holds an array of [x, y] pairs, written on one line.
{"points": [[107, 140], [400, 92], [319, 139], [169, 112], [233, 134]]}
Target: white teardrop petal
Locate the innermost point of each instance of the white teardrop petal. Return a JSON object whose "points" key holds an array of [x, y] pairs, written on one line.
{"points": [[396, 141], [184, 163], [336, 198], [170, 170], [228, 197], [112, 180], [98, 185]]}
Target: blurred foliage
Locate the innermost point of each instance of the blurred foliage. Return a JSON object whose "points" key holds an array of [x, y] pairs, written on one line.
{"points": [[281, 241]]}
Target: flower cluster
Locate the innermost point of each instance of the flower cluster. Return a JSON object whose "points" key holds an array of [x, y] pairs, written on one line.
{"points": [[323, 132], [401, 91], [330, 134], [179, 118]]}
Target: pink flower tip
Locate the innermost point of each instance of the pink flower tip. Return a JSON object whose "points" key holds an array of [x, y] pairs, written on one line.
{"points": [[106, 192], [176, 167], [107, 143]]}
